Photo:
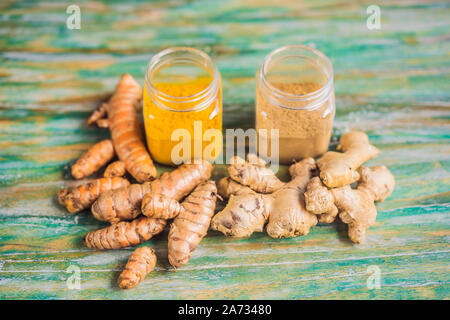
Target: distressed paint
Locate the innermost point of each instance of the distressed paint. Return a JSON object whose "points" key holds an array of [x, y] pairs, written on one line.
{"points": [[393, 83]]}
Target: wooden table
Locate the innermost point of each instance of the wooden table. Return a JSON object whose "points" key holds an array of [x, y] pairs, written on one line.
{"points": [[392, 83]]}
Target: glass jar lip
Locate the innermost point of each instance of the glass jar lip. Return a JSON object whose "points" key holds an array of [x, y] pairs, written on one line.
{"points": [[292, 96], [212, 86]]}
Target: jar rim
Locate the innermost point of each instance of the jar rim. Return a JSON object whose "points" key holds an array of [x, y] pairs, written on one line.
{"points": [[212, 86], [323, 90]]}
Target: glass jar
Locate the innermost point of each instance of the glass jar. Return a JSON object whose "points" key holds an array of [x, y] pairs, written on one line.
{"points": [[182, 106], [295, 94]]}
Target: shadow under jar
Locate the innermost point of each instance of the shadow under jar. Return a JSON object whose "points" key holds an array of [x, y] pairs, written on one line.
{"points": [[295, 94]]}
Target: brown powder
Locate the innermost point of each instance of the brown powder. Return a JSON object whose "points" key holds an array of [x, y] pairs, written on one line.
{"points": [[302, 133]]}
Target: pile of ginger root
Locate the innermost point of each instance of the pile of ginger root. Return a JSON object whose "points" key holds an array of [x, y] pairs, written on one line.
{"points": [[138, 206], [318, 191]]}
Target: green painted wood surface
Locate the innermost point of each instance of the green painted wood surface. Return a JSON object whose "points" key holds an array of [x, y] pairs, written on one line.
{"points": [[393, 83]]}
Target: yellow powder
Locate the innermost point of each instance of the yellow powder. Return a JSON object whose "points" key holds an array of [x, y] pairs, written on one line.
{"points": [[302, 133], [160, 123]]}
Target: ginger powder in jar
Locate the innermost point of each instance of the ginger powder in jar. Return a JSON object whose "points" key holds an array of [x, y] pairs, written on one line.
{"points": [[295, 94], [183, 106]]}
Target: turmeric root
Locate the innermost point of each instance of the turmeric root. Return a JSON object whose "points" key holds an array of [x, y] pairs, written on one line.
{"points": [[339, 169], [97, 115], [126, 132], [356, 207], [92, 160], [141, 263], [81, 197], [125, 203], [191, 225], [247, 211], [115, 169], [254, 174], [289, 217], [124, 233]]}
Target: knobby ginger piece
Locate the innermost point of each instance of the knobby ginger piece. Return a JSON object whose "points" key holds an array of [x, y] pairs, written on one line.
{"points": [[288, 216], [141, 263], [253, 173], [81, 197], [247, 211], [115, 169], [124, 234], [93, 159], [356, 207], [125, 203], [126, 131], [338, 169], [191, 225]]}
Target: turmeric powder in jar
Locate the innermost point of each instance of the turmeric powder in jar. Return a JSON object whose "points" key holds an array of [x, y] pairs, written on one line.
{"points": [[295, 95], [182, 103]]}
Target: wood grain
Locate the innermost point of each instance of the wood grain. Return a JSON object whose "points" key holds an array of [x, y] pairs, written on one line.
{"points": [[392, 83]]}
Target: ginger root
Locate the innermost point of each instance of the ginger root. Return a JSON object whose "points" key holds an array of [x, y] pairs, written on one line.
{"points": [[81, 197], [126, 131], [124, 233], [125, 203], [191, 224], [93, 159], [142, 261], [247, 211], [115, 169], [356, 207], [339, 169]]}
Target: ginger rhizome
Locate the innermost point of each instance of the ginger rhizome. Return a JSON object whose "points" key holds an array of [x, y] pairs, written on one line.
{"points": [[93, 159], [356, 207], [247, 210], [140, 263], [115, 169], [124, 234], [253, 174], [125, 203], [338, 169], [126, 131], [81, 197], [191, 224]]}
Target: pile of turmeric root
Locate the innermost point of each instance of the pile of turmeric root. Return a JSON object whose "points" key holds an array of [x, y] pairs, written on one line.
{"points": [[186, 197]]}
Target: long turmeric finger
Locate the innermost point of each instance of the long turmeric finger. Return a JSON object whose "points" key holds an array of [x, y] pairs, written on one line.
{"points": [[254, 174], [141, 263], [115, 169], [125, 203], [83, 196], [124, 234], [191, 225], [126, 131], [95, 158], [160, 206]]}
